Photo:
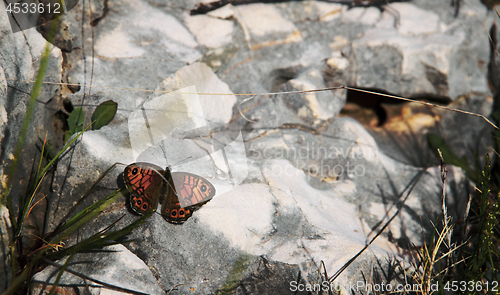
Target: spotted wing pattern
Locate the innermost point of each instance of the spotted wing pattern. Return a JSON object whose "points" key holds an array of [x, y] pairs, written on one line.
{"points": [[192, 189], [186, 193], [145, 183]]}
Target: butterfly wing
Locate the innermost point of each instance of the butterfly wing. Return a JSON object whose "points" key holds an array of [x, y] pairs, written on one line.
{"points": [[186, 193], [146, 185], [192, 189]]}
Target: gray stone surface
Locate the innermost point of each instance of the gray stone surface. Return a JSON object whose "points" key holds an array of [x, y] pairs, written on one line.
{"points": [[115, 265], [5, 262]]}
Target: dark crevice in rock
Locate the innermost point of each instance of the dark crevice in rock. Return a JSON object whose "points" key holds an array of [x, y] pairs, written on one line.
{"points": [[60, 124], [62, 43], [433, 98], [203, 8], [489, 3], [279, 77], [494, 83], [371, 102], [375, 103], [493, 67], [105, 11], [456, 5], [438, 80], [68, 106]]}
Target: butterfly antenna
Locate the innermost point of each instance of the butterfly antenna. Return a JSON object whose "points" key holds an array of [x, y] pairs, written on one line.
{"points": [[183, 161], [166, 159], [170, 172], [165, 154], [148, 126]]}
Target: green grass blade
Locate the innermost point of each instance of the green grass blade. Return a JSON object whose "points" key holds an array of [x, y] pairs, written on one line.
{"points": [[60, 273], [39, 179], [104, 284], [65, 218], [29, 111], [19, 280], [27, 208], [85, 216], [102, 239], [66, 146], [5, 194], [438, 143]]}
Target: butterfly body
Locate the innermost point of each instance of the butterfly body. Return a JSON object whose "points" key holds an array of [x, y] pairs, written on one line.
{"points": [[180, 193]]}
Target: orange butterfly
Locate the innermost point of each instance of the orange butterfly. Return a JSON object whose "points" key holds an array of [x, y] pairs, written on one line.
{"points": [[180, 193]]}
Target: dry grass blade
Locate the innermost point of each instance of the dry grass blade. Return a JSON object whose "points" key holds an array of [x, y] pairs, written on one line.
{"points": [[298, 92], [411, 186]]}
